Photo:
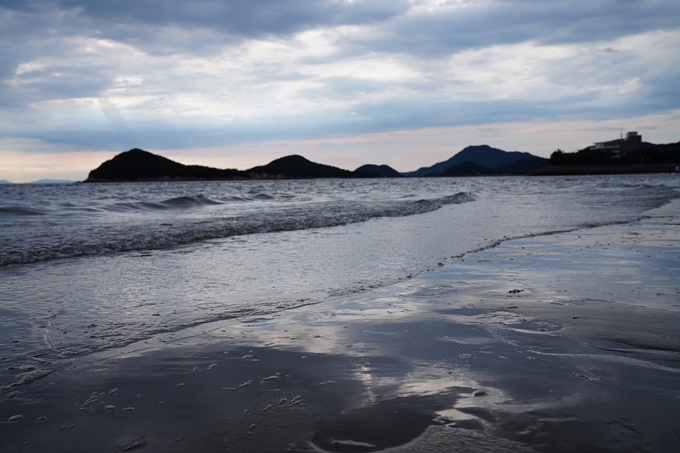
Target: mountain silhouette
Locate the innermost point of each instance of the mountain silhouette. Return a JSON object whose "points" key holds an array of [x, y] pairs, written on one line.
{"points": [[384, 171], [296, 166], [484, 155], [140, 165]]}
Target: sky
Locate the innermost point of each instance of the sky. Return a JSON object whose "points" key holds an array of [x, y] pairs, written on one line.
{"points": [[407, 83]]}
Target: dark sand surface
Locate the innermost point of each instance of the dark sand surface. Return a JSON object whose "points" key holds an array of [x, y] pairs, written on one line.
{"points": [[569, 342]]}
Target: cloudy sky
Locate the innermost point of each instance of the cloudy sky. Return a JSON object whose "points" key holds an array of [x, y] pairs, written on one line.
{"points": [[237, 83]]}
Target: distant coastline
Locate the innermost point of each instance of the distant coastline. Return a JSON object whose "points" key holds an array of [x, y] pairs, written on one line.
{"points": [[611, 169], [42, 181], [138, 165]]}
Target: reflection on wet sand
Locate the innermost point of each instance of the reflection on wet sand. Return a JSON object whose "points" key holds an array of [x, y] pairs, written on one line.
{"points": [[531, 346]]}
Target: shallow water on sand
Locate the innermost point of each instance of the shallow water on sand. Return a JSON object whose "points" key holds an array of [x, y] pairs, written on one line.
{"points": [[129, 283], [482, 354]]}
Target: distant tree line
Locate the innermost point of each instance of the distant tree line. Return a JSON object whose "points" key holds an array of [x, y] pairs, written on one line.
{"points": [[649, 153]]}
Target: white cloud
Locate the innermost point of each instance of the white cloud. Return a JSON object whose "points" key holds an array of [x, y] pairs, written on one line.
{"points": [[28, 67], [128, 80]]}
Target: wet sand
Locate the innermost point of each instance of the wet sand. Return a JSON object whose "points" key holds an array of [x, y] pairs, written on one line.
{"points": [[568, 342]]}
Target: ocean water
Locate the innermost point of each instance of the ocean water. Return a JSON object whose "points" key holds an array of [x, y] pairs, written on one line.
{"points": [[90, 267]]}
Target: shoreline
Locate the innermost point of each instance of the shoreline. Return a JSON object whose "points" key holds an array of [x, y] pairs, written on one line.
{"points": [[557, 170], [576, 170], [547, 343]]}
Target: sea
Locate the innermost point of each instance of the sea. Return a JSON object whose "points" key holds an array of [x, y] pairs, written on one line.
{"points": [[89, 267]]}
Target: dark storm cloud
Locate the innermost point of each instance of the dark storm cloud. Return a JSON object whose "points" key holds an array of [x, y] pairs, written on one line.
{"points": [[483, 24], [248, 18], [401, 28]]}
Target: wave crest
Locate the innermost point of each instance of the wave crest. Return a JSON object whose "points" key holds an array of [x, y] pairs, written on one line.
{"points": [[123, 237]]}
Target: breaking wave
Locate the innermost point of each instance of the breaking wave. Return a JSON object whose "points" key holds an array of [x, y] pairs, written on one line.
{"points": [[178, 230], [186, 202]]}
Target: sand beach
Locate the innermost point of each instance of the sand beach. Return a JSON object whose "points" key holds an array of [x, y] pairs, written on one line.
{"points": [[340, 226]]}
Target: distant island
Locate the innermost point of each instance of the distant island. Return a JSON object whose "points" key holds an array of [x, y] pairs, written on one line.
{"points": [[53, 181], [138, 165], [384, 171], [487, 161], [624, 155], [297, 167], [43, 181]]}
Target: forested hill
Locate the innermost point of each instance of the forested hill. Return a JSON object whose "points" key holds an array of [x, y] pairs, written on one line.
{"points": [[493, 159], [140, 165]]}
